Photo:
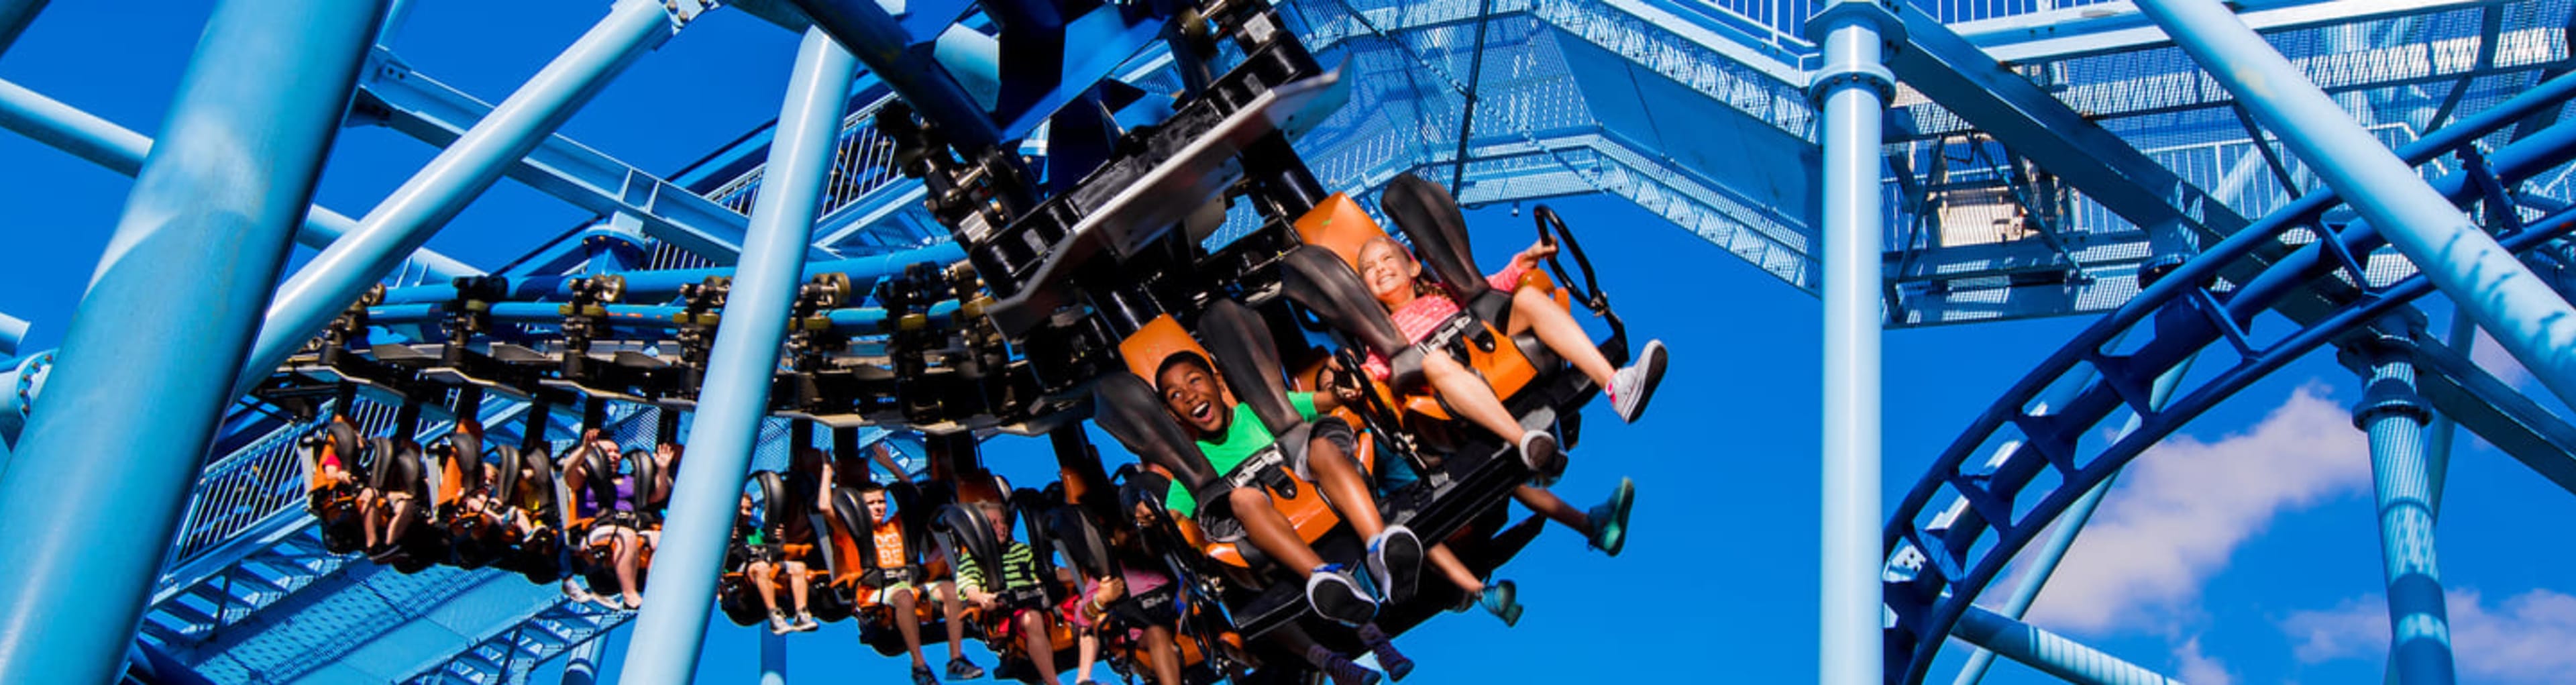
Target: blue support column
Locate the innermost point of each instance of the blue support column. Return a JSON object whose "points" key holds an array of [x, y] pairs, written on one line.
{"points": [[2481, 277], [2049, 652], [2395, 416], [1854, 86], [773, 658], [121, 150], [89, 514], [412, 213], [739, 367]]}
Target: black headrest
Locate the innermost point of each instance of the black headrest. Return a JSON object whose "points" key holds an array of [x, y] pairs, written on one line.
{"points": [[1428, 216], [773, 496], [852, 513], [505, 483], [1082, 542], [1131, 412], [1249, 362], [648, 472], [965, 537], [599, 474], [346, 442]]}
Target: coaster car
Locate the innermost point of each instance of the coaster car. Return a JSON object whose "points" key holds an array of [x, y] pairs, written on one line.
{"points": [[478, 528], [531, 496], [1533, 382], [964, 536], [1206, 649], [333, 482], [399, 475]]}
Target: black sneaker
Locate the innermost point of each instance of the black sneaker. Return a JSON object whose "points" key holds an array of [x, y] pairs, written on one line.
{"points": [[1395, 562], [961, 669], [1335, 597], [921, 676]]}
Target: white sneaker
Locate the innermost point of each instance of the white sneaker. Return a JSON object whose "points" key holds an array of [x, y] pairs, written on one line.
{"points": [[1539, 452], [778, 624], [1631, 387], [805, 623], [572, 589]]}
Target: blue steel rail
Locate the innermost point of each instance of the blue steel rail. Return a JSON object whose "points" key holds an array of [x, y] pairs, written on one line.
{"points": [[1939, 560]]}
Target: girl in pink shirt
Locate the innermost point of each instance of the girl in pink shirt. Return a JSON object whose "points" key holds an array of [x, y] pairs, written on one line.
{"points": [[1418, 309]]}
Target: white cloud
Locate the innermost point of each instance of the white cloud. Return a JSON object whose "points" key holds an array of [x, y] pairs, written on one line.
{"points": [[2199, 669], [2180, 510], [2523, 640]]}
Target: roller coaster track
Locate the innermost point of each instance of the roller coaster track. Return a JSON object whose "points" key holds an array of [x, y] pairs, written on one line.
{"points": [[1939, 560]]}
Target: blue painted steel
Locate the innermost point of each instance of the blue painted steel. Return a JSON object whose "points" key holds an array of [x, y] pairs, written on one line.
{"points": [[773, 659], [661, 285], [1923, 618], [2464, 333], [739, 367], [883, 44], [264, 91], [15, 15], [581, 663], [1965, 80], [1854, 86], [861, 320], [106, 144], [416, 210], [2394, 415], [13, 330], [2037, 570], [2483, 279], [2051, 653], [1095, 44], [424, 108]]}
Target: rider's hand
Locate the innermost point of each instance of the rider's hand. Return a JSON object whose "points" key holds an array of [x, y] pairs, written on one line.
{"points": [[1537, 252]]}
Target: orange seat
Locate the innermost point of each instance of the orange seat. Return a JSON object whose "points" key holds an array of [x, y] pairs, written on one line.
{"points": [[1339, 225], [1145, 351]]}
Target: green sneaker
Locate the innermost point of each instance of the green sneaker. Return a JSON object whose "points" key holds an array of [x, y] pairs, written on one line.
{"points": [[1502, 599], [1610, 519]]}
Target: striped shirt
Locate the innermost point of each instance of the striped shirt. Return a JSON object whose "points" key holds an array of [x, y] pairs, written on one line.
{"points": [[1019, 570], [1419, 318]]}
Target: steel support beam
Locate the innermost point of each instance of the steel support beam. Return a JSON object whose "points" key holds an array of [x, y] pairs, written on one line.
{"points": [[2485, 405], [773, 659], [2481, 277], [120, 149], [581, 663], [2177, 216], [878, 40], [435, 113], [412, 213], [1854, 87], [13, 330], [204, 233], [2395, 416], [15, 15], [2445, 429], [736, 394], [2049, 652]]}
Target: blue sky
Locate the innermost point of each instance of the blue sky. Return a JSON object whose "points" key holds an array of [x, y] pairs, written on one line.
{"points": [[2243, 553]]}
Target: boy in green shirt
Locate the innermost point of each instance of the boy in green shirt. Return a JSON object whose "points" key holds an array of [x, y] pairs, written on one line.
{"points": [[1228, 434]]}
